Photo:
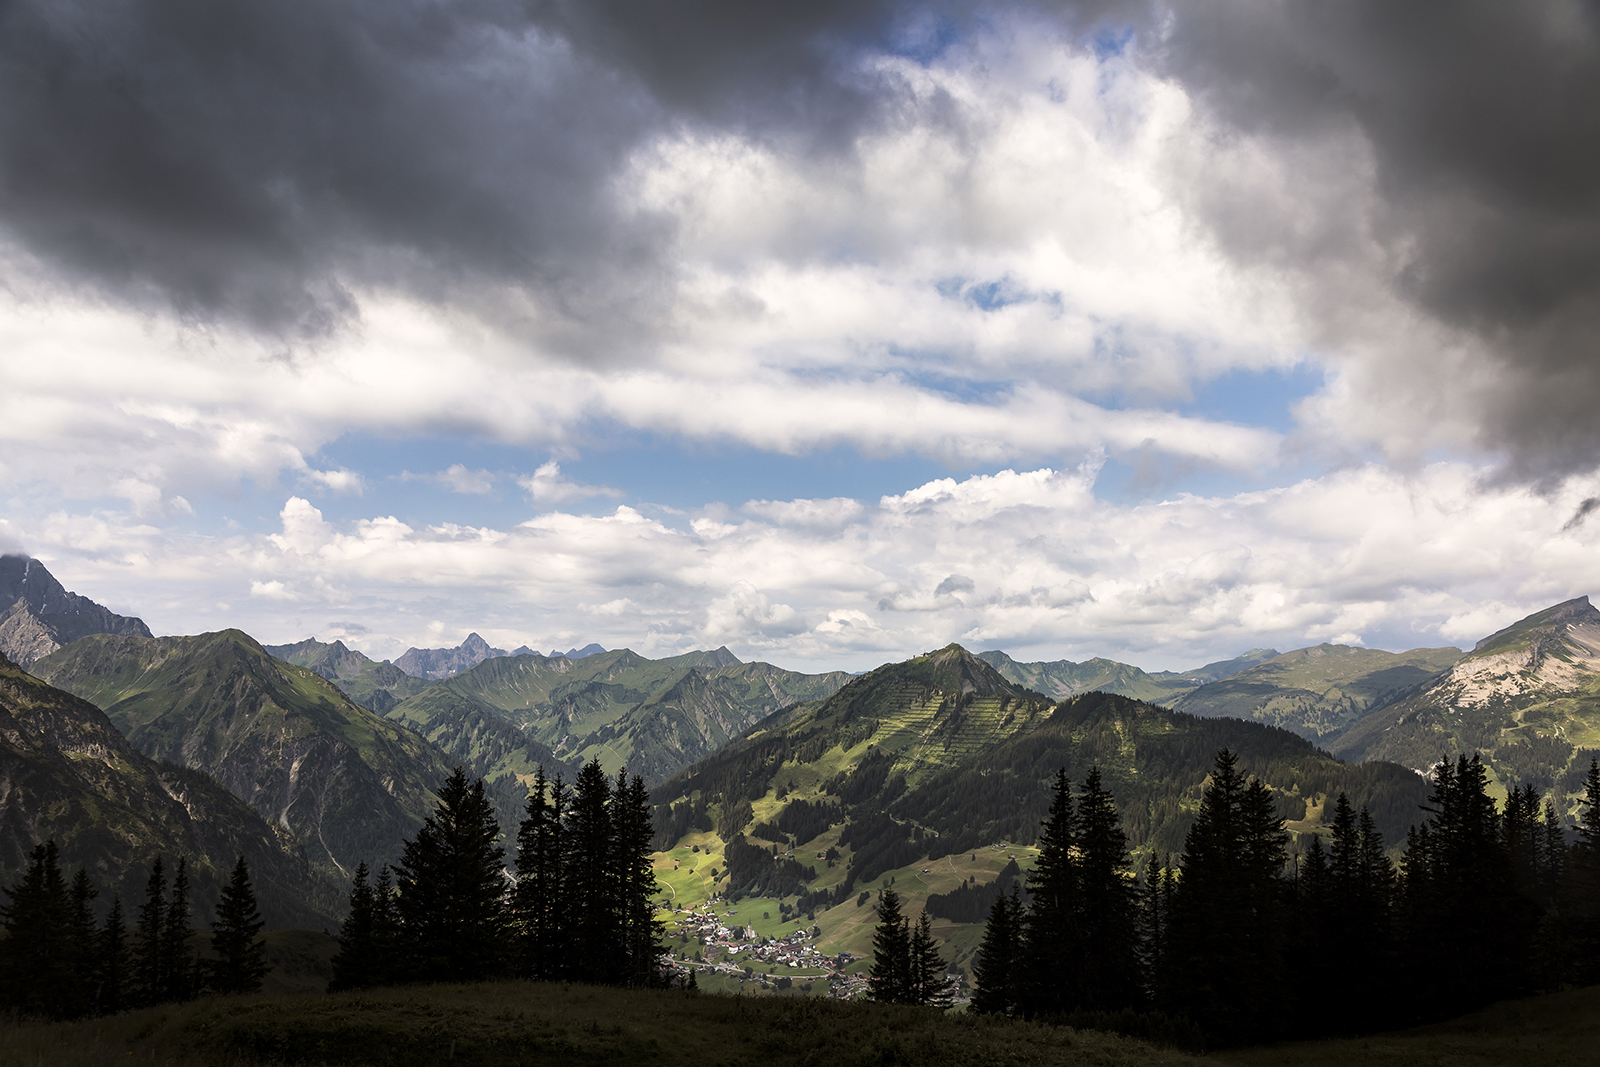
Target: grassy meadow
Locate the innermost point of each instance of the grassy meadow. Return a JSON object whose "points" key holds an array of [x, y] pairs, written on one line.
{"points": [[523, 1023]]}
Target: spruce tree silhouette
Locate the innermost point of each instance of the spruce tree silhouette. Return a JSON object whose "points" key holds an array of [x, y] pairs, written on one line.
{"points": [[240, 962], [1107, 967], [149, 962], [592, 920], [890, 972], [1224, 964], [929, 984], [37, 974], [998, 973], [113, 966], [1052, 937], [179, 967], [640, 933], [449, 888], [353, 963], [537, 902]]}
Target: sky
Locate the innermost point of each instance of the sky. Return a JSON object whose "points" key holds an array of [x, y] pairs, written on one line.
{"points": [[829, 332]]}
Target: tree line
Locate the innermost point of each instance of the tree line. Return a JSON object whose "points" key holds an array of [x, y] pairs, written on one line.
{"points": [[1233, 940], [578, 906], [58, 961]]}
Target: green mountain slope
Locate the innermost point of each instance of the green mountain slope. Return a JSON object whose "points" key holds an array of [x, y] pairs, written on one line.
{"points": [[936, 772], [67, 773], [1318, 692], [1063, 678], [375, 686], [345, 781], [1527, 697], [652, 716]]}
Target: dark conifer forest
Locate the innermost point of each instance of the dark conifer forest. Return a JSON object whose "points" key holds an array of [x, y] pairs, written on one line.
{"points": [[1220, 946], [56, 961], [580, 907]]}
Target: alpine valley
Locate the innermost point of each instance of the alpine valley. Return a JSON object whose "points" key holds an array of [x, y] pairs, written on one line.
{"points": [[788, 797]]}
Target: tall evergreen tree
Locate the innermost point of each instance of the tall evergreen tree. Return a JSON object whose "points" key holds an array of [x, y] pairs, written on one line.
{"points": [[37, 971], [890, 972], [537, 901], [1051, 934], [1224, 965], [450, 890], [149, 961], [353, 963], [591, 897], [240, 962], [81, 944], [1156, 893], [1107, 966], [929, 984], [113, 972], [1577, 938], [179, 965], [998, 971], [640, 932]]}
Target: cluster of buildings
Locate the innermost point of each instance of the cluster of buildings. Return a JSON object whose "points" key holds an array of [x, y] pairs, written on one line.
{"points": [[736, 950]]}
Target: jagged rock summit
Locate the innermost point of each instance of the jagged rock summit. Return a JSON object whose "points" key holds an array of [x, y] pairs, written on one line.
{"points": [[38, 615], [436, 663]]}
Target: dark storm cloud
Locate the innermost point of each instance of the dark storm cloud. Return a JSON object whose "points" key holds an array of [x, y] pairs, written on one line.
{"points": [[1485, 119], [245, 160]]}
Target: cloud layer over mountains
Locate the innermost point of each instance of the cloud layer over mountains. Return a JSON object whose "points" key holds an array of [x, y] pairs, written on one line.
{"points": [[1023, 235]]}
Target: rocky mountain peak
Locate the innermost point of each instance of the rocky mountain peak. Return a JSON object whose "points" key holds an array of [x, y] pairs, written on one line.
{"points": [[38, 615]]}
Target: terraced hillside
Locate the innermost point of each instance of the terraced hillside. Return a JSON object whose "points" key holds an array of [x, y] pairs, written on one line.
{"points": [[652, 716], [375, 686], [1527, 697], [1318, 692], [935, 773], [68, 774], [1063, 678], [347, 783]]}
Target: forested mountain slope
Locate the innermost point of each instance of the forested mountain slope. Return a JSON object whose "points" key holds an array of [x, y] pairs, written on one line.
{"points": [[348, 783], [1063, 678], [1527, 697], [936, 773], [653, 716], [67, 773], [1318, 692]]}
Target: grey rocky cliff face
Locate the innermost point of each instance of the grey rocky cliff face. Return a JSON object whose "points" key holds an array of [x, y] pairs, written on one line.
{"points": [[436, 663], [38, 615]]}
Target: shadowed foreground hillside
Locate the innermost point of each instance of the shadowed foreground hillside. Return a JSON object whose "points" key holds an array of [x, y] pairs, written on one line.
{"points": [[523, 1023]]}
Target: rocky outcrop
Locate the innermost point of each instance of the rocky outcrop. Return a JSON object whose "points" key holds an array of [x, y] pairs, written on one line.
{"points": [[38, 615]]}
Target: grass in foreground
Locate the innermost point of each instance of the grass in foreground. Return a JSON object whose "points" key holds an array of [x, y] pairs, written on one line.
{"points": [[523, 1023], [508, 1023]]}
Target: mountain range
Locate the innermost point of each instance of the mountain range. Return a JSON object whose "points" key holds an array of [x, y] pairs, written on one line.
{"points": [[38, 615], [314, 756], [68, 773], [343, 780]]}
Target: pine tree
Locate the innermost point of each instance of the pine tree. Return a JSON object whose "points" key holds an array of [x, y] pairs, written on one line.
{"points": [[998, 971], [929, 983], [113, 966], [1107, 967], [1576, 943], [537, 900], [450, 890], [890, 972], [36, 958], [178, 963], [384, 968], [353, 963], [640, 931], [591, 892], [82, 937], [1155, 919], [1224, 965], [240, 962], [1051, 934], [149, 970]]}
